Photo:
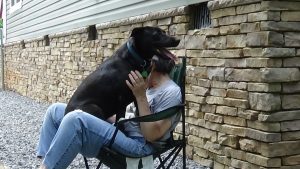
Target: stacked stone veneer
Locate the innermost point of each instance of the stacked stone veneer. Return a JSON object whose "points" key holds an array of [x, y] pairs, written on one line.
{"points": [[1, 71], [244, 86], [243, 78]]}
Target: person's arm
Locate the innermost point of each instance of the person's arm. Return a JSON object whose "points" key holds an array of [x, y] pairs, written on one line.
{"points": [[150, 130]]}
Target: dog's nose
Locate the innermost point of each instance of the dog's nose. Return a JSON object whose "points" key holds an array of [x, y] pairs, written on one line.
{"points": [[176, 41]]}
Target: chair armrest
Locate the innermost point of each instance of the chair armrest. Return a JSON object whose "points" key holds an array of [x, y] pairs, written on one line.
{"points": [[155, 116]]}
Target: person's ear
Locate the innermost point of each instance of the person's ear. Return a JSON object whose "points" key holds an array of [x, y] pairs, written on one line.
{"points": [[153, 67], [136, 32]]}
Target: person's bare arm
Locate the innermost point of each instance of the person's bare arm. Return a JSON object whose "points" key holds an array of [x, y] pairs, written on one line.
{"points": [[150, 130]]}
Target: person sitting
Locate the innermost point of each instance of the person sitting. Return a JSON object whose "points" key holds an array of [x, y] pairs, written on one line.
{"points": [[63, 137]]}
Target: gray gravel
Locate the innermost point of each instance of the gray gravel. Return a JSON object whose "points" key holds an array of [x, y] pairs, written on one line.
{"points": [[20, 121]]}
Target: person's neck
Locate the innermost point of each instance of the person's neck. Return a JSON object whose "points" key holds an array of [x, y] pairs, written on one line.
{"points": [[157, 79]]}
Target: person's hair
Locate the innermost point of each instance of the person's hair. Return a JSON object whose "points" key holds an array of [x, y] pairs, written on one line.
{"points": [[163, 65]]}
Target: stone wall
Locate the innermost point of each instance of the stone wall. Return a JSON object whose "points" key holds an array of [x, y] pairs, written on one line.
{"points": [[50, 73], [1, 72], [243, 78], [244, 84]]}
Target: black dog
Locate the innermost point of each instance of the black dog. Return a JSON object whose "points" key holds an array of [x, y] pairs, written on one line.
{"points": [[104, 92]]}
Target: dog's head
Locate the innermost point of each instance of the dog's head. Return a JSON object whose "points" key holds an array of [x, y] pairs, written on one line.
{"points": [[151, 41]]}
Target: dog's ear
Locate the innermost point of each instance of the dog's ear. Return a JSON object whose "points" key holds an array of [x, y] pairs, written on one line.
{"points": [[136, 32]]}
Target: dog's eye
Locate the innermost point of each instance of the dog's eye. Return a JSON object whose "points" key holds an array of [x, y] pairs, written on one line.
{"points": [[156, 36]]}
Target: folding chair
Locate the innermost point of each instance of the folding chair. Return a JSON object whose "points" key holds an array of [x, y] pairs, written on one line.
{"points": [[116, 160]]}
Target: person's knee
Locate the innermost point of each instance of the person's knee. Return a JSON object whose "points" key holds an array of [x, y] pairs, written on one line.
{"points": [[72, 114], [75, 120], [74, 117], [55, 109]]}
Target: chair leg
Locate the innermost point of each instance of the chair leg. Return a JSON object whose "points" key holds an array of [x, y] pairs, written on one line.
{"points": [[99, 164], [161, 163], [167, 158], [183, 157], [175, 155], [86, 163]]}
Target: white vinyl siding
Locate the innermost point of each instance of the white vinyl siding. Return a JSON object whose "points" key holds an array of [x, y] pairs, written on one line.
{"points": [[14, 5], [41, 17]]}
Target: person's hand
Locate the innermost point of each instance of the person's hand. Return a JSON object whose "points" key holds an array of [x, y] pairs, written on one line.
{"points": [[137, 84]]}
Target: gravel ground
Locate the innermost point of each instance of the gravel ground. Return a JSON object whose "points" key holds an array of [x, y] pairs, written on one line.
{"points": [[20, 121]]}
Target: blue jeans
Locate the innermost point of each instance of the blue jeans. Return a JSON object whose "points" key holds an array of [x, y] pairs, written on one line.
{"points": [[62, 138]]}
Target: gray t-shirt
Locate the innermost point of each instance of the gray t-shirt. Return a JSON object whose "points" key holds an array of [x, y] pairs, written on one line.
{"points": [[165, 96]]}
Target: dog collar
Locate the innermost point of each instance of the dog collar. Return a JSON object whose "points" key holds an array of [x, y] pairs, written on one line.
{"points": [[142, 62], [136, 55]]}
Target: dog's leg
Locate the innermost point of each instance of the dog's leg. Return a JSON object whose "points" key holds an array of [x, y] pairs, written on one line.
{"points": [[137, 113], [123, 103], [121, 113], [93, 109]]}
